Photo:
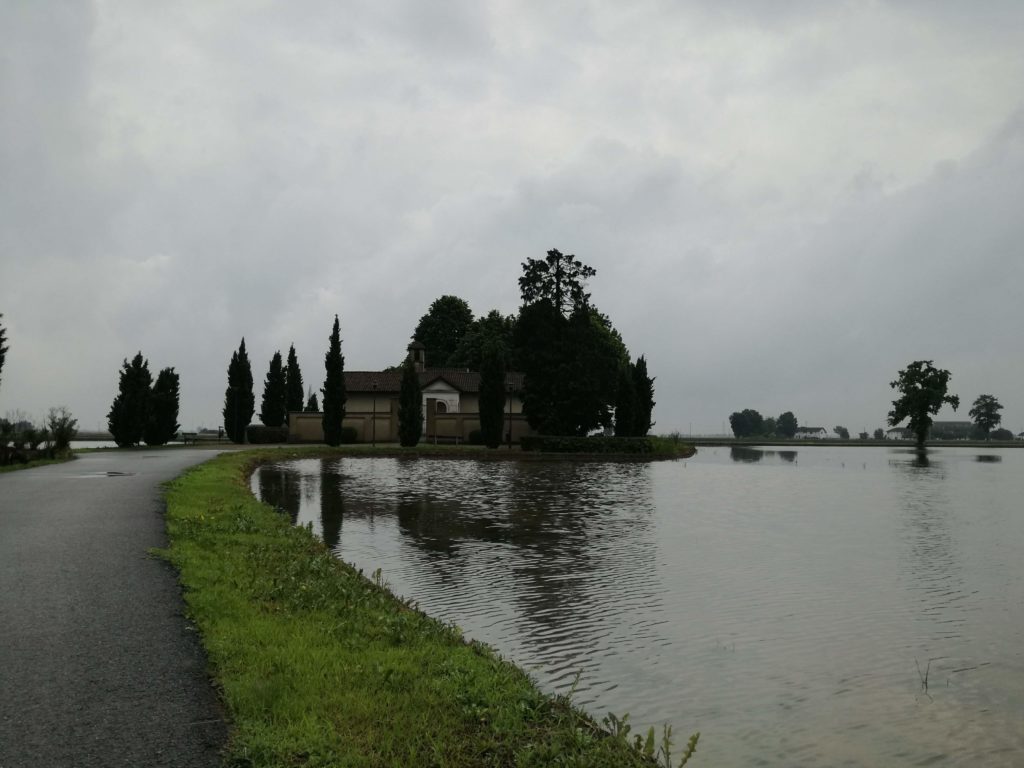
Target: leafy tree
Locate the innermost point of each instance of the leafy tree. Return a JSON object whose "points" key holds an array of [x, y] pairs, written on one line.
{"points": [[985, 413], [879, 434], [492, 393], [923, 391], [786, 424], [312, 406], [1002, 434], [273, 408], [410, 406], [596, 353], [162, 424], [843, 432], [293, 382], [559, 279], [63, 428], [129, 411], [492, 327], [643, 385], [863, 436], [626, 403], [334, 388], [769, 427], [3, 346], [239, 400], [445, 325], [746, 423]]}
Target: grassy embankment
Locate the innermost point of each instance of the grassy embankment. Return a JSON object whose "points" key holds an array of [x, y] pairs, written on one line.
{"points": [[320, 666]]}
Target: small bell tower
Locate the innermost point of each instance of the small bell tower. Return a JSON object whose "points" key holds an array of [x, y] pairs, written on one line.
{"points": [[418, 355]]}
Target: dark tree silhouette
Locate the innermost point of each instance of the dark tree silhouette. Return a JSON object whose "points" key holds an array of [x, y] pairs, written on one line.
{"points": [[643, 385], [923, 391], [162, 424], [130, 409], [410, 406], [334, 388], [293, 382], [273, 407], [786, 424], [746, 423], [3, 347], [239, 400], [445, 325], [492, 327], [560, 279], [985, 413], [492, 394], [625, 403], [312, 406]]}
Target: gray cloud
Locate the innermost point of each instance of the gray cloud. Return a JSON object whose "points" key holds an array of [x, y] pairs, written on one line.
{"points": [[784, 207]]}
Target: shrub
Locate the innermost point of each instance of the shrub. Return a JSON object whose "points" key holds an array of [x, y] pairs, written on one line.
{"points": [[475, 437], [259, 434], [597, 444], [349, 435], [62, 427]]}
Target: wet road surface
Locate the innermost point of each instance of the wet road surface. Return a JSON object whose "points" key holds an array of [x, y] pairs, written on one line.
{"points": [[98, 666]]}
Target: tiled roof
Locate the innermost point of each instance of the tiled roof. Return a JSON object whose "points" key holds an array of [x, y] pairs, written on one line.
{"points": [[390, 382]]}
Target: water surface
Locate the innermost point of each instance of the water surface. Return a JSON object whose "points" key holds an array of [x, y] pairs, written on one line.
{"points": [[790, 605]]}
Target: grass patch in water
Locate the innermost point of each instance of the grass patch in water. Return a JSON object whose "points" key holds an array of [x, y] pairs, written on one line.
{"points": [[319, 666]]}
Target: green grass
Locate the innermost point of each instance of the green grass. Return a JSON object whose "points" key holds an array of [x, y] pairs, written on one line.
{"points": [[319, 666]]}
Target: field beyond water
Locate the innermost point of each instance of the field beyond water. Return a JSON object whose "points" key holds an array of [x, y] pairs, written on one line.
{"points": [[319, 665]]}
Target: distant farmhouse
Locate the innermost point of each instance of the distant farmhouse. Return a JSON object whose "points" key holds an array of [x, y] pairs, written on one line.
{"points": [[811, 433], [451, 405], [899, 433]]}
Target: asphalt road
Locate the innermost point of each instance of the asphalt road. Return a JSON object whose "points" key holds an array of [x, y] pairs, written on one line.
{"points": [[98, 666]]}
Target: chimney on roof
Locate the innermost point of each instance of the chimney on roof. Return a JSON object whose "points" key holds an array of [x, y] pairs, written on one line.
{"points": [[418, 355]]}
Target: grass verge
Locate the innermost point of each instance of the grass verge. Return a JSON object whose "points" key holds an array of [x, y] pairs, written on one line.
{"points": [[33, 464], [319, 666]]}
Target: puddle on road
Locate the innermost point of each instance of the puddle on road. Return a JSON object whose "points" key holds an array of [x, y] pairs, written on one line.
{"points": [[101, 474]]}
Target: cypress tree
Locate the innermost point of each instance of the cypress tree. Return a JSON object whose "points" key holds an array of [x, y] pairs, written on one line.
{"points": [[162, 424], [312, 406], [626, 416], [273, 408], [130, 409], [3, 346], [492, 394], [334, 388], [410, 406], [239, 400], [643, 385], [293, 382]]}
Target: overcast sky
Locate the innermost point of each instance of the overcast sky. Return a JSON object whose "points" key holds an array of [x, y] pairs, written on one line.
{"points": [[786, 202]]}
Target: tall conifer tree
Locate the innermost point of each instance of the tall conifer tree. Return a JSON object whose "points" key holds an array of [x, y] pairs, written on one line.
{"points": [[334, 388], [643, 386], [626, 411], [410, 406], [130, 409], [239, 400], [492, 393], [293, 382], [3, 346], [273, 407], [162, 423]]}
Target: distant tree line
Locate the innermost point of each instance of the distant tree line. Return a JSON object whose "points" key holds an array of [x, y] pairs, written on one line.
{"points": [[750, 423], [923, 390]]}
